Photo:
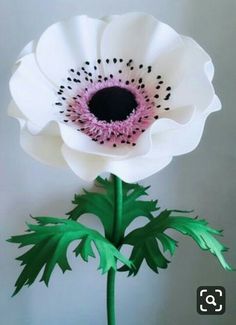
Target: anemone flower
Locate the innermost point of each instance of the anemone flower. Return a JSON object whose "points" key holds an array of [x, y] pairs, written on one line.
{"points": [[112, 95], [124, 95]]}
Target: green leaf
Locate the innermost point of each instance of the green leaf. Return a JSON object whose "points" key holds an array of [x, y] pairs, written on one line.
{"points": [[50, 239], [102, 204], [145, 240]]}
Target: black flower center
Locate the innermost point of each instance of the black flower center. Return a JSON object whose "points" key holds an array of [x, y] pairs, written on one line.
{"points": [[112, 104]]}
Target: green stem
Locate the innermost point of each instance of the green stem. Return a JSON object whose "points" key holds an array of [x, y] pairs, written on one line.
{"points": [[118, 191], [111, 315], [118, 197]]}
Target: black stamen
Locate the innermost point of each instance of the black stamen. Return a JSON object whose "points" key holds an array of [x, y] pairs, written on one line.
{"points": [[129, 63], [167, 97]]}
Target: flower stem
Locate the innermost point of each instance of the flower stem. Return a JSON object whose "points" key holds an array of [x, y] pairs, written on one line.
{"points": [[111, 317], [116, 234]]}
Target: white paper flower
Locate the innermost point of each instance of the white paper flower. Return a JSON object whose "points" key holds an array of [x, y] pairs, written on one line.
{"points": [[123, 95]]}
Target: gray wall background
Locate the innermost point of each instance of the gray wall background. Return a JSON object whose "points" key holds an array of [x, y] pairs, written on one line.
{"points": [[203, 180]]}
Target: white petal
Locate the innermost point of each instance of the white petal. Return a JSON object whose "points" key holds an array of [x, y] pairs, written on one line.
{"points": [[192, 59], [43, 147], [173, 119], [194, 90], [214, 106], [197, 58], [88, 167], [189, 71], [181, 115], [68, 44], [138, 36], [32, 93], [51, 128], [42, 144], [28, 49], [193, 85], [81, 142], [185, 138], [14, 111], [138, 168]]}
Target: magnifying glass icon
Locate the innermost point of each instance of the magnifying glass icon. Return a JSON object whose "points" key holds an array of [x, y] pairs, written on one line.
{"points": [[210, 300]]}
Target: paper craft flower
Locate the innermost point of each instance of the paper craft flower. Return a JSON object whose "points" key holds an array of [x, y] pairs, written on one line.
{"points": [[123, 95]]}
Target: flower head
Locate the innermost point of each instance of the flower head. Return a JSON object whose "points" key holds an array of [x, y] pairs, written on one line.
{"points": [[123, 94]]}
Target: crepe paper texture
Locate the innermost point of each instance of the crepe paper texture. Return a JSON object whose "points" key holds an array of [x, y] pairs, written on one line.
{"points": [[124, 94]]}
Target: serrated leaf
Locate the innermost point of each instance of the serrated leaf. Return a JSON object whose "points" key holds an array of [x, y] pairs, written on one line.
{"points": [[102, 204], [50, 238], [145, 240]]}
